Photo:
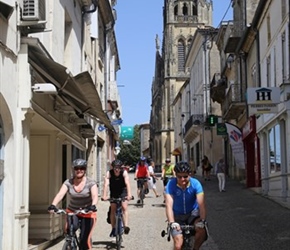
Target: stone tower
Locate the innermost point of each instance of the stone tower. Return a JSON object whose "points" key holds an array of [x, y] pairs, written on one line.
{"points": [[181, 18]]}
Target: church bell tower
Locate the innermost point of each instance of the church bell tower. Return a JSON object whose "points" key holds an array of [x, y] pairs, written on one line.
{"points": [[181, 18]]}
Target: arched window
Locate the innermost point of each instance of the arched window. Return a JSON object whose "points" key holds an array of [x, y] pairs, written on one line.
{"points": [[181, 55], [176, 10], [189, 41], [194, 9], [185, 10]]}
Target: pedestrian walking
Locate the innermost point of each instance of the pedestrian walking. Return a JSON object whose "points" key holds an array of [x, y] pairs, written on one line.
{"points": [[153, 178], [221, 174], [206, 168]]}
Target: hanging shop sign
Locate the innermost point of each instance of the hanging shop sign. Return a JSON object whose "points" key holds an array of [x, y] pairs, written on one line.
{"points": [[263, 100]]}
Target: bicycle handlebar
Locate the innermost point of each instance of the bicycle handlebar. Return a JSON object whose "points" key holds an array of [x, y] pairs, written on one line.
{"points": [[118, 199], [142, 178], [78, 211]]}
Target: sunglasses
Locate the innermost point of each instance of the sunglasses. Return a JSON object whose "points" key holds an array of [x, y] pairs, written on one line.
{"points": [[80, 168], [182, 176], [117, 168]]}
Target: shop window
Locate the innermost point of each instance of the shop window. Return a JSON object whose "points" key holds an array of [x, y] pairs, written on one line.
{"points": [[275, 149]]}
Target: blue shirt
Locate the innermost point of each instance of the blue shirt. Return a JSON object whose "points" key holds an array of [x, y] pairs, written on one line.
{"points": [[184, 201]]}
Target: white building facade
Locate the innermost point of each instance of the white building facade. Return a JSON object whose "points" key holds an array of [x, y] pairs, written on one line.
{"points": [[274, 129], [54, 103]]}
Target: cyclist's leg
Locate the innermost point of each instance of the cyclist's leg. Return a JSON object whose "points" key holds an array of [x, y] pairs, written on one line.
{"points": [[125, 211], [87, 226], [177, 234], [165, 181], [113, 218], [200, 233]]}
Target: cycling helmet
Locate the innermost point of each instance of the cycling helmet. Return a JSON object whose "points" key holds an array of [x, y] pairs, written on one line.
{"points": [[182, 167], [117, 163], [79, 163], [142, 158]]}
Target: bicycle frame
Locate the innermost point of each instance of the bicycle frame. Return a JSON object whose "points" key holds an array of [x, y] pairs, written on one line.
{"points": [[71, 239], [119, 221], [142, 190]]}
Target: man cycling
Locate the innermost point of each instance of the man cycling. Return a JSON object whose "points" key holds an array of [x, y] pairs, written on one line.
{"points": [[185, 205], [141, 172], [117, 179]]}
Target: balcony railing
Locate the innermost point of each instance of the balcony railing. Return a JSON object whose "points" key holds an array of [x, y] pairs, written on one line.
{"points": [[186, 18], [232, 35], [234, 103], [194, 120]]}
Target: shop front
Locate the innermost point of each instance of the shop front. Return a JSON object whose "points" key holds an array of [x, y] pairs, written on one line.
{"points": [[252, 153]]}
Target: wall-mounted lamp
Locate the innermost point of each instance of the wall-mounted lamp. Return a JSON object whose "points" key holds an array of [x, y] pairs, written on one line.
{"points": [[44, 88], [230, 60]]}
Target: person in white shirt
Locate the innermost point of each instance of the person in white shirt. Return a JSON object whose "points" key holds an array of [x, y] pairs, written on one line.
{"points": [[153, 178]]}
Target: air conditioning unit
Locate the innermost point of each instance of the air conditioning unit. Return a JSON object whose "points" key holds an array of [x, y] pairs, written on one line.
{"points": [[33, 10]]}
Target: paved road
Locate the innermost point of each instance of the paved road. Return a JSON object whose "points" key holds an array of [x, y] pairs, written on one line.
{"points": [[238, 219]]}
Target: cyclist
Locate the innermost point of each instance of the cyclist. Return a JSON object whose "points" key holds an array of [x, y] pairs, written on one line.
{"points": [[83, 193], [141, 172], [117, 179], [167, 171], [185, 205]]}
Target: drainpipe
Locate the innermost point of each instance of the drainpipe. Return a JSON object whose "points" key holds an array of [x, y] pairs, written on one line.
{"points": [[204, 93]]}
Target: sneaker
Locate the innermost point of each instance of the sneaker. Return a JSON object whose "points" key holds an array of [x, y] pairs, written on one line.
{"points": [[126, 230], [113, 233], [146, 191], [138, 201]]}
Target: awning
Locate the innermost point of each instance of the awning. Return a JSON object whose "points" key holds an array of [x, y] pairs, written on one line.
{"points": [[176, 151], [78, 91]]}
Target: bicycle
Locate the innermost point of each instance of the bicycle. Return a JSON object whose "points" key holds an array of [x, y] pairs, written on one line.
{"points": [[188, 232], [72, 241], [119, 229], [142, 180]]}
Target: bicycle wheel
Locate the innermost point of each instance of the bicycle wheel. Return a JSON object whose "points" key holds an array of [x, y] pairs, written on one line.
{"points": [[119, 231], [68, 245], [142, 196]]}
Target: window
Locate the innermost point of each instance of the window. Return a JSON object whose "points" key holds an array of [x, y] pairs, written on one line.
{"points": [[283, 8], [268, 71], [181, 55], [268, 29], [254, 75], [185, 10], [275, 149], [176, 10], [284, 57]]}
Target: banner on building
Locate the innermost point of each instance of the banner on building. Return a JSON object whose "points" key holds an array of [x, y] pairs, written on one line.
{"points": [[237, 144]]}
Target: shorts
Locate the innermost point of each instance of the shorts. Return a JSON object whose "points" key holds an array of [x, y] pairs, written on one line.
{"points": [[123, 194], [185, 219]]}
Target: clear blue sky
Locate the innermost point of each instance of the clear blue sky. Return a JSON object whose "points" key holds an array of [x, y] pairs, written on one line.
{"points": [[137, 24]]}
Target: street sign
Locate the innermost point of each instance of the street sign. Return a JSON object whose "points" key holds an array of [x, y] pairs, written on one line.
{"points": [[221, 129], [127, 133]]}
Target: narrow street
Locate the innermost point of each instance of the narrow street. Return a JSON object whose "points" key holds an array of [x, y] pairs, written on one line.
{"points": [[238, 219]]}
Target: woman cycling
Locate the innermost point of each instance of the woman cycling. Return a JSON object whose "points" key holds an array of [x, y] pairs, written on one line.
{"points": [[83, 193]]}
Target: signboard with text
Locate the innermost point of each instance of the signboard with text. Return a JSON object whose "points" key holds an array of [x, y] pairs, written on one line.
{"points": [[263, 100]]}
